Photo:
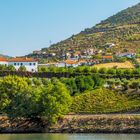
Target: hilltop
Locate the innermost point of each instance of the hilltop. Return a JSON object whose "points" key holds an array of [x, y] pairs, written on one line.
{"points": [[118, 32], [6, 56]]}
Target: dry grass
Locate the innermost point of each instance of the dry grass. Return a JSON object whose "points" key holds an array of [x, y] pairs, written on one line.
{"points": [[138, 60], [124, 65]]}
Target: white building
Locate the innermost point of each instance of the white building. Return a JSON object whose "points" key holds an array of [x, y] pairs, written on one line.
{"points": [[57, 64], [67, 63], [128, 55], [3, 61], [110, 45], [29, 63]]}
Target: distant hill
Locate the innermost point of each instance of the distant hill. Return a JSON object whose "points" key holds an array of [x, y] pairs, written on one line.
{"points": [[122, 29], [6, 56]]}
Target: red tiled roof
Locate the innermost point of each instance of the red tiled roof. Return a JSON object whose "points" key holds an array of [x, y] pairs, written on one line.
{"points": [[71, 62], [22, 60], [108, 57], [2, 59], [83, 61]]}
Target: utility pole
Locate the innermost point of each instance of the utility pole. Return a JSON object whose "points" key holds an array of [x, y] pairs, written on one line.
{"points": [[50, 42]]}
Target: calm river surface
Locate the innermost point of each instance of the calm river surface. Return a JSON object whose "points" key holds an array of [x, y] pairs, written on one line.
{"points": [[69, 136]]}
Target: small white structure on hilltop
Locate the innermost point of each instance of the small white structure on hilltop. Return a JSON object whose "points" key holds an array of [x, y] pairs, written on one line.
{"points": [[3, 61], [30, 64]]}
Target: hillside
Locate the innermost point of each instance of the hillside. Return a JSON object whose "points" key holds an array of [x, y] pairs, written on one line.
{"points": [[122, 29], [6, 56]]}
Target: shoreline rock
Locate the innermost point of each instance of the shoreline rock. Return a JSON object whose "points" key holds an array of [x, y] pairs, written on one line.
{"points": [[126, 123]]}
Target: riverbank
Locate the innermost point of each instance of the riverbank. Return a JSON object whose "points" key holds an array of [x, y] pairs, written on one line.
{"points": [[74, 124]]}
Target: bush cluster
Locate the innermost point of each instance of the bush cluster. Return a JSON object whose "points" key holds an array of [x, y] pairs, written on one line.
{"points": [[23, 97]]}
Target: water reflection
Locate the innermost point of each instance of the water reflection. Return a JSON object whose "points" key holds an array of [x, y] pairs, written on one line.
{"points": [[70, 137]]}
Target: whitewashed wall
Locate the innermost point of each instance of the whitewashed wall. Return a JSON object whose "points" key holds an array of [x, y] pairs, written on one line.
{"points": [[31, 68], [3, 63]]}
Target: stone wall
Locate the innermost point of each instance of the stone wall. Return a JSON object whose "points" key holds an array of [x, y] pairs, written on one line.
{"points": [[74, 124]]}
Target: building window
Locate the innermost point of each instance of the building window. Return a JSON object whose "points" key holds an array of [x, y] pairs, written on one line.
{"points": [[34, 64], [30, 64], [21, 64], [15, 64]]}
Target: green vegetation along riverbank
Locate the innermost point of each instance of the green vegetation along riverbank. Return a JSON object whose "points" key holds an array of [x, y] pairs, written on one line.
{"points": [[74, 124], [47, 102]]}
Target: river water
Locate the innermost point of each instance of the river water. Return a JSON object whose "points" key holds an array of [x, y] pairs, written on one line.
{"points": [[69, 136]]}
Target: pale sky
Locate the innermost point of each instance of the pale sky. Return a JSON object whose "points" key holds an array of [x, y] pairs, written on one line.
{"points": [[27, 25]]}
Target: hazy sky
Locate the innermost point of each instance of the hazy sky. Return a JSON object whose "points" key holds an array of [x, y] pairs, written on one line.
{"points": [[27, 25]]}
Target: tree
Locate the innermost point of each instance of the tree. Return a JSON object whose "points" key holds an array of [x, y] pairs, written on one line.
{"points": [[136, 71], [24, 104], [70, 69], [128, 72], [10, 88], [36, 81], [20, 99], [80, 83], [61, 69], [94, 70], [43, 69], [2, 67], [70, 84], [45, 81], [53, 69], [98, 56], [98, 81], [79, 69], [122, 59], [89, 83], [10, 68], [55, 101], [125, 83], [120, 72], [86, 69], [22, 68], [103, 70], [111, 71], [135, 84]]}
